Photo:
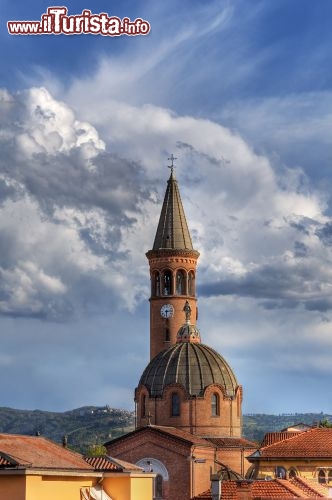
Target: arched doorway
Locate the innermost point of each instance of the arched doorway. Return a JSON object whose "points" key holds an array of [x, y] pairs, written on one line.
{"points": [[150, 464]]}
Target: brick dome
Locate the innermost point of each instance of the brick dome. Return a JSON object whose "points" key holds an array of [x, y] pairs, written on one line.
{"points": [[193, 365]]}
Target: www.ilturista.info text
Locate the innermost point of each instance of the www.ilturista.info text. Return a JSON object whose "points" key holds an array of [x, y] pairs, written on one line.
{"points": [[57, 22]]}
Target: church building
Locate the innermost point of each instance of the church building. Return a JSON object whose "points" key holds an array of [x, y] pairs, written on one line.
{"points": [[188, 400]]}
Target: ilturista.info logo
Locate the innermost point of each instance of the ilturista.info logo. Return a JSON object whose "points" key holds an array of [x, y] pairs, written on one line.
{"points": [[56, 22]]}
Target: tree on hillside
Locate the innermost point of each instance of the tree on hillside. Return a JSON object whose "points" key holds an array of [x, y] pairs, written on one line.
{"points": [[325, 423], [96, 450]]}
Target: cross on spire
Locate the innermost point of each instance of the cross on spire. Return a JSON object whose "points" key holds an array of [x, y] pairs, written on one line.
{"points": [[172, 166]]}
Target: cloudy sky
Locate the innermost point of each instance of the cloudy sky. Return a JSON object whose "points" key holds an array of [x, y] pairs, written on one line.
{"points": [[241, 93]]}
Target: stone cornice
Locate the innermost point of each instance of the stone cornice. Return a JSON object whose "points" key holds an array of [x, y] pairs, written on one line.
{"points": [[169, 252]]}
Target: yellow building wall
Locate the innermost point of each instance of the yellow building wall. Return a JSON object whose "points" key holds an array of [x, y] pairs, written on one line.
{"points": [[48, 487], [56, 488], [129, 488], [307, 469], [12, 487]]}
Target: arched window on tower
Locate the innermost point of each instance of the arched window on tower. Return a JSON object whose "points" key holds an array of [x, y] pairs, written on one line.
{"points": [[167, 336], [156, 284], [191, 284], [167, 283], [215, 406], [175, 410], [180, 283]]}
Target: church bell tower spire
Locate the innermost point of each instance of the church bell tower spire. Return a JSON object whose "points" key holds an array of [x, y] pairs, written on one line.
{"points": [[173, 262]]}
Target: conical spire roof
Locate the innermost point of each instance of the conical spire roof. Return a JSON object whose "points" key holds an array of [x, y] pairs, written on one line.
{"points": [[172, 232]]}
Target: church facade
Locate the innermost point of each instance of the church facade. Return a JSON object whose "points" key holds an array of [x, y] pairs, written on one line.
{"points": [[188, 401]]}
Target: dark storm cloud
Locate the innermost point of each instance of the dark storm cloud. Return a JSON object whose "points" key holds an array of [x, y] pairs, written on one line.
{"points": [[300, 249], [65, 203], [277, 286], [324, 233]]}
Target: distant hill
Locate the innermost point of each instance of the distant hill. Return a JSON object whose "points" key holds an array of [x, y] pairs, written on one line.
{"points": [[86, 426], [93, 425], [256, 425]]}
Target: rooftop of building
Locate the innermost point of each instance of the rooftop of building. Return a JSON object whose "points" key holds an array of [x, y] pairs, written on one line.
{"points": [[231, 442], [265, 490], [106, 463], [313, 443], [172, 432], [275, 437], [37, 452], [172, 231]]}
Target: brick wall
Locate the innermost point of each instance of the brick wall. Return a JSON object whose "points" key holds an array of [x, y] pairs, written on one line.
{"points": [[195, 415]]}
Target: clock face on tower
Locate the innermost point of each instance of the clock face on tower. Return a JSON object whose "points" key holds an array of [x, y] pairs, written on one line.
{"points": [[167, 311]]}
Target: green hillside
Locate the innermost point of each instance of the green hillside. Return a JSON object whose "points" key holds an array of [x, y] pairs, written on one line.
{"points": [[256, 425], [91, 425], [85, 427]]}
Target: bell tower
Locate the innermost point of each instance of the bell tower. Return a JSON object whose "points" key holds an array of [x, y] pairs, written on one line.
{"points": [[173, 264]]}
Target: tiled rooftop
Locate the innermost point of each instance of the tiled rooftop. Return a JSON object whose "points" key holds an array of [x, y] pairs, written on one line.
{"points": [[104, 463], [38, 452], [230, 442], [275, 437], [178, 433], [262, 490], [316, 442]]}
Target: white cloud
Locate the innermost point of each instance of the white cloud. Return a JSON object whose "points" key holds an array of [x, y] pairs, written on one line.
{"points": [[75, 223]]}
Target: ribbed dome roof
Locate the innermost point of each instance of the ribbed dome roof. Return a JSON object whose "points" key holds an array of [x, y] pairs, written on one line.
{"points": [[188, 333], [193, 365]]}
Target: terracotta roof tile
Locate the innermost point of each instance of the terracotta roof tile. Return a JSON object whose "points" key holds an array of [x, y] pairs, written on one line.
{"points": [[313, 489], [230, 442], [274, 489], [39, 452], [102, 463], [5, 462], [316, 442], [178, 433], [108, 463], [275, 437]]}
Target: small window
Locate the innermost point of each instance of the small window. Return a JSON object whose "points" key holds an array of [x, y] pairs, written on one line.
{"points": [[143, 406], [280, 472], [167, 336], [292, 473], [175, 405], [215, 405], [321, 477]]}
